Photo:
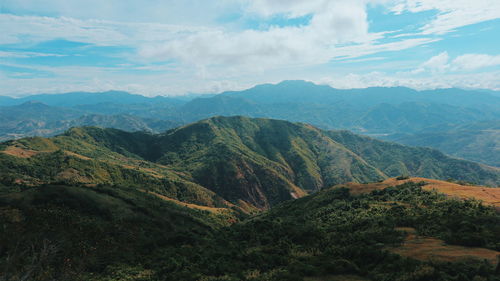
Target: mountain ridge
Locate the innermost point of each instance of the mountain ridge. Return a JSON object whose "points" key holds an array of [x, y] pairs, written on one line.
{"points": [[376, 111], [226, 161]]}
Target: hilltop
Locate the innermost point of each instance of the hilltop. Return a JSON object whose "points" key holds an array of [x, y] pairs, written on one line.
{"points": [[489, 196]]}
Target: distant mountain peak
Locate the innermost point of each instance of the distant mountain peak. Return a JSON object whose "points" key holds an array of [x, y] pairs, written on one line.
{"points": [[297, 82], [34, 104]]}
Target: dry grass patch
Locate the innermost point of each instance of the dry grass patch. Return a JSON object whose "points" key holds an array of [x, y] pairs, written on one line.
{"points": [[342, 277], [189, 205], [432, 249], [17, 151], [489, 196], [69, 153]]}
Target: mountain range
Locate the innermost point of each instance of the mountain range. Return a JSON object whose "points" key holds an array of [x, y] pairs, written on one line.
{"points": [[226, 162], [386, 113]]}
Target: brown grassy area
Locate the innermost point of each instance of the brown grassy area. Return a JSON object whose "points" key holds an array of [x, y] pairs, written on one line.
{"points": [[69, 153], [432, 249], [189, 205], [342, 277], [19, 152], [489, 196]]}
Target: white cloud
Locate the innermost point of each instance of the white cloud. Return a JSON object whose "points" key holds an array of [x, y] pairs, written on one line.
{"points": [[290, 8], [487, 80], [27, 55], [470, 62], [438, 63], [337, 30], [452, 14], [211, 57], [33, 29], [465, 63]]}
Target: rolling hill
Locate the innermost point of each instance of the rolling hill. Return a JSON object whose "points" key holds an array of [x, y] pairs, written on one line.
{"points": [[228, 162], [489, 196]]}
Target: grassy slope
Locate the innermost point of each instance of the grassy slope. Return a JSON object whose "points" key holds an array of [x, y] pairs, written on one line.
{"points": [[489, 196], [76, 158]]}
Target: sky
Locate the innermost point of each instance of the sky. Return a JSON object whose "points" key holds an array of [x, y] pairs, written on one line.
{"points": [[174, 47]]}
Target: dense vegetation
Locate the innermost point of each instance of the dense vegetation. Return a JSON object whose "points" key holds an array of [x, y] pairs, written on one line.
{"points": [[71, 233], [113, 233], [225, 161]]}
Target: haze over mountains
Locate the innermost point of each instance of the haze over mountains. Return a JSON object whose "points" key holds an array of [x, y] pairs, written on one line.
{"points": [[390, 113]]}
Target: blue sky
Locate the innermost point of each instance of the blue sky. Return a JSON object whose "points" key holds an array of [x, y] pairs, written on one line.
{"points": [[168, 47]]}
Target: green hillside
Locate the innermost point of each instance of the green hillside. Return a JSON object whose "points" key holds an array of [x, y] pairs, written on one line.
{"points": [[395, 159], [225, 161], [331, 233], [75, 158]]}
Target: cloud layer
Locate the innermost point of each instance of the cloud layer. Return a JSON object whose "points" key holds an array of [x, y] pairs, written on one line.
{"points": [[174, 47]]}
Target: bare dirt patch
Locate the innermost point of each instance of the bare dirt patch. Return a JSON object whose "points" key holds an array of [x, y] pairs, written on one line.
{"points": [[432, 249]]}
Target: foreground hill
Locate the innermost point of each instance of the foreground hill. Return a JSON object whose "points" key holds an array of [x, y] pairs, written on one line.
{"points": [[61, 232], [226, 162]]}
